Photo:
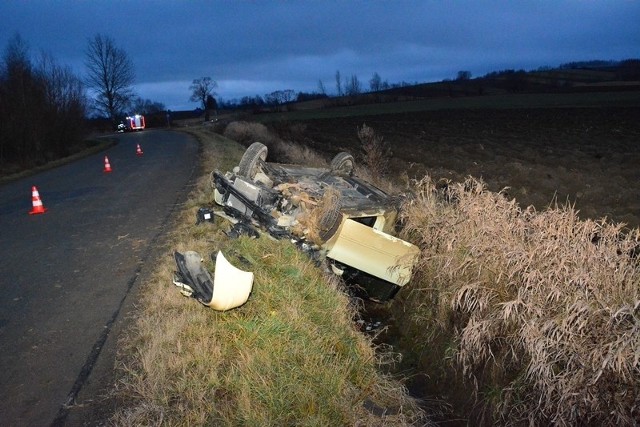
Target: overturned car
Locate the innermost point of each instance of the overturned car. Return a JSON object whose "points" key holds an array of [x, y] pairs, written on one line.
{"points": [[327, 211]]}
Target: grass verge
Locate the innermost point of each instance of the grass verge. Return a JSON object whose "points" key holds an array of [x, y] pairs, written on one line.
{"points": [[518, 316], [87, 148], [290, 356]]}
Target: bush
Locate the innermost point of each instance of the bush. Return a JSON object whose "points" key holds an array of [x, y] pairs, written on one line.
{"points": [[540, 307]]}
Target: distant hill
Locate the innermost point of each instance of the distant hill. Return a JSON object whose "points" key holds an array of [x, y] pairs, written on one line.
{"points": [[573, 77], [570, 77]]}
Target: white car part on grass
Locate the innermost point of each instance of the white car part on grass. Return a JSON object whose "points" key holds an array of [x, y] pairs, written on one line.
{"points": [[231, 286]]}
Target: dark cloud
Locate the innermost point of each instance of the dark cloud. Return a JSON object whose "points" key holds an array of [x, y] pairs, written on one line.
{"points": [[255, 47]]}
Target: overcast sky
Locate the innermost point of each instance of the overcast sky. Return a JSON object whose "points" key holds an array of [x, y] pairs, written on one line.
{"points": [[257, 47]]}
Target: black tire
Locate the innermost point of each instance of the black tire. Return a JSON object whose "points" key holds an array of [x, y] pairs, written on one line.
{"points": [[331, 218], [251, 161], [343, 164]]}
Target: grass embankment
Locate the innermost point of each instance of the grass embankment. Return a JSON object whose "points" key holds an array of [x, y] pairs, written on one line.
{"points": [[537, 312], [86, 148], [290, 356], [516, 316]]}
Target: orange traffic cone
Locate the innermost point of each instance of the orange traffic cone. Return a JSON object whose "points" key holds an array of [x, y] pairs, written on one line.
{"points": [[139, 150], [107, 166], [38, 207]]}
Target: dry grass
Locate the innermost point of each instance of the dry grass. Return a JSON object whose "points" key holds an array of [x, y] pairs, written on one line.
{"points": [[375, 153], [290, 356], [542, 310], [290, 152], [280, 151], [247, 133]]}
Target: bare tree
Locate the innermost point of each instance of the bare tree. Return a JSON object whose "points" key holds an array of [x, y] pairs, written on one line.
{"points": [[271, 99], [212, 105], [66, 104], [279, 98], [353, 86], [321, 88], [288, 95], [201, 90], [375, 84], [338, 83], [42, 107], [463, 75], [110, 74], [20, 94], [147, 106]]}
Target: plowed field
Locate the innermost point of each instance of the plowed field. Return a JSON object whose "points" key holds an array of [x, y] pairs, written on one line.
{"points": [[589, 157]]}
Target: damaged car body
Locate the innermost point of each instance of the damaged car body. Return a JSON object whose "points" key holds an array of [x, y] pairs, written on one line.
{"points": [[327, 211]]}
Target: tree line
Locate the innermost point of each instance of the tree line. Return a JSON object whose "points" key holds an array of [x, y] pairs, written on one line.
{"points": [[42, 107], [44, 104], [350, 86]]}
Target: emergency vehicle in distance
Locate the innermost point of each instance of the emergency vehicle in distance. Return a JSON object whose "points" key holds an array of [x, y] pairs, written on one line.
{"points": [[132, 123]]}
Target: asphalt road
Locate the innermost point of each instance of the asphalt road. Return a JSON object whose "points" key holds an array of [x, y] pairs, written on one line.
{"points": [[64, 274]]}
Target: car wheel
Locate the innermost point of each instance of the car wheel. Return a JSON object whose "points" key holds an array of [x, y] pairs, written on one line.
{"points": [[330, 218], [251, 161], [343, 164]]}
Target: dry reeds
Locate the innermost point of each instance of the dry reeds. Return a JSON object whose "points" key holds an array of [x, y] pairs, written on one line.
{"points": [[541, 306]]}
